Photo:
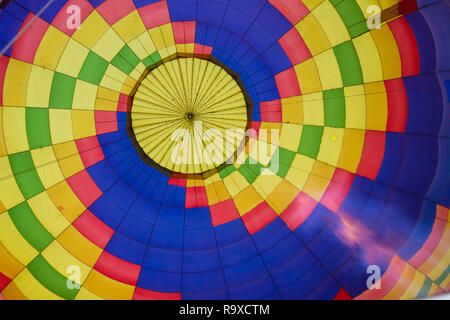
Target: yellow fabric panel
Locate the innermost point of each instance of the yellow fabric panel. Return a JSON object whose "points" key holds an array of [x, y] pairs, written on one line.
{"points": [[51, 48], [113, 78], [39, 87], [83, 122], [308, 76], [282, 196], [331, 23], [163, 40], [15, 83], [60, 259], [72, 58], [47, 214], [12, 292], [388, 50], [3, 151], [68, 158], [355, 107], [328, 68], [92, 29], [138, 48], [318, 180], [330, 148], [369, 58], [311, 4], [32, 289], [377, 109], [130, 26], [414, 287], [217, 192], [299, 171], [9, 265], [442, 255], [13, 241], [137, 72], [85, 294], [290, 136], [108, 288], [212, 192], [263, 153], [60, 125], [235, 183], [352, 146], [266, 182], [312, 33], [128, 86], [66, 201], [14, 129], [402, 284], [11, 194], [108, 45], [292, 110], [107, 99], [364, 4], [313, 109], [47, 166], [84, 96], [246, 200], [387, 3], [147, 42], [79, 247]]}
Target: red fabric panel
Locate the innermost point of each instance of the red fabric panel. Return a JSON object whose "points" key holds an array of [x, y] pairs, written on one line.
{"points": [[407, 46], [397, 105], [287, 83], [259, 217], [26, 45], [118, 269], [93, 229], [293, 10], [85, 188], [143, 294], [298, 211], [223, 212], [90, 151], [155, 14], [113, 11], [372, 155], [60, 20], [294, 47]]}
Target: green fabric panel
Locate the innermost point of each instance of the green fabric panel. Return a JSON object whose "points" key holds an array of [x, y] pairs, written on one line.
{"points": [[250, 171], [334, 103], [443, 276], [126, 60], [38, 128], [63, 89], [30, 227], [285, 160], [352, 17], [152, 59], [25, 174], [50, 278], [227, 171], [93, 69], [310, 141], [425, 288], [348, 64]]}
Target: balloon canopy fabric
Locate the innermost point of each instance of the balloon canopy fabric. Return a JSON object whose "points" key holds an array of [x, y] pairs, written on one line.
{"points": [[349, 100]]}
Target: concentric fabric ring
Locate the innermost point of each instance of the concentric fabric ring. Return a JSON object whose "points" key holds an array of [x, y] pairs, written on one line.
{"points": [[357, 181]]}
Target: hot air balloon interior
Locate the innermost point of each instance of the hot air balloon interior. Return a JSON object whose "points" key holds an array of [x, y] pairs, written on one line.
{"points": [[224, 149]]}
